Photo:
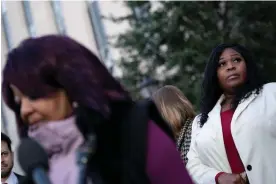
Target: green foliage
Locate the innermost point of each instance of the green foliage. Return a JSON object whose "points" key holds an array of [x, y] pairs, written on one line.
{"points": [[182, 34]]}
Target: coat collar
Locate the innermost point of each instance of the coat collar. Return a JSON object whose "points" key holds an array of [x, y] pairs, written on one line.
{"points": [[215, 125], [241, 107]]}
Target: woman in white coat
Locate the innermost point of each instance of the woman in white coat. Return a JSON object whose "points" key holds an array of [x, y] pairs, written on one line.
{"points": [[234, 137]]}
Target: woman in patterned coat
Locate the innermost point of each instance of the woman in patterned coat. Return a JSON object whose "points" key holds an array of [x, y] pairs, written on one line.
{"points": [[177, 110]]}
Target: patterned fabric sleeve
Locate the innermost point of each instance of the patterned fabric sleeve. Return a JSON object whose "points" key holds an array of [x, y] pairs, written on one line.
{"points": [[184, 140]]}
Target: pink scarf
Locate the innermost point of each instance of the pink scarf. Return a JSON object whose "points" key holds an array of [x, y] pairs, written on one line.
{"points": [[60, 139]]}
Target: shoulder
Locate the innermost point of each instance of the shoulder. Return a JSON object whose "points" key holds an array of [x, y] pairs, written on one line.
{"points": [[23, 179], [269, 87], [196, 123], [185, 133], [143, 114], [196, 119], [156, 118], [19, 177], [268, 93]]}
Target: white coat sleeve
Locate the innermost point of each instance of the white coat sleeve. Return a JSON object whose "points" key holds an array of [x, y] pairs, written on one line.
{"points": [[200, 173], [270, 104]]}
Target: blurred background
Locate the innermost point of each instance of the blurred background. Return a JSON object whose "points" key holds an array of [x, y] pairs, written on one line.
{"points": [[145, 44]]}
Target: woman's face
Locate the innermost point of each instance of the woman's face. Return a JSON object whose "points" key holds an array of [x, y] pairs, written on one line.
{"points": [[52, 108], [231, 71]]}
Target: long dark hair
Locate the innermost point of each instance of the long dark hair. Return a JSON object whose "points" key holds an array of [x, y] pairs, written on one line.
{"points": [[40, 66], [211, 90]]}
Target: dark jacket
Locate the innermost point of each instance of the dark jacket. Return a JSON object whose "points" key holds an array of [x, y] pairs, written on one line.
{"points": [[122, 154], [139, 147], [19, 177]]}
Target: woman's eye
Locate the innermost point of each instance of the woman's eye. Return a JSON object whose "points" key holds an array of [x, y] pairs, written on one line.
{"points": [[221, 64], [236, 60], [32, 98]]}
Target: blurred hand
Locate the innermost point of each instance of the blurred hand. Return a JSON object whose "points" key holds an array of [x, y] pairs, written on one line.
{"points": [[231, 179], [245, 178]]}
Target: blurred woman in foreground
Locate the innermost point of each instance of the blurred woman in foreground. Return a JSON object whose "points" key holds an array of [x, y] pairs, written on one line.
{"points": [[177, 110], [234, 137], [62, 94]]}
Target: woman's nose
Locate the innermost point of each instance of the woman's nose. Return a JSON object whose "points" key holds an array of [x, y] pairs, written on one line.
{"points": [[26, 108], [230, 66]]}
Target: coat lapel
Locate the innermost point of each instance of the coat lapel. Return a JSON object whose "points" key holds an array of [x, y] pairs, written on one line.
{"points": [[242, 106], [215, 120]]}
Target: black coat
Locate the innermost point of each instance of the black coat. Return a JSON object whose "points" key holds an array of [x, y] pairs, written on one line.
{"points": [[121, 142], [19, 177]]}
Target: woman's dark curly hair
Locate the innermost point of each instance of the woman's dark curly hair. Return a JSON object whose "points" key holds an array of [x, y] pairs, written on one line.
{"points": [[211, 90]]}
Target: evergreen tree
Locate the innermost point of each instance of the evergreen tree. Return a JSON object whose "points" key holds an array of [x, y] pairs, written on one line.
{"points": [[176, 38]]}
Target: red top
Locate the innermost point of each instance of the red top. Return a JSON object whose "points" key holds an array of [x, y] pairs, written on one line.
{"points": [[230, 147]]}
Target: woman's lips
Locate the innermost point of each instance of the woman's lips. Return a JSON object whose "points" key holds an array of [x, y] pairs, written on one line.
{"points": [[231, 77]]}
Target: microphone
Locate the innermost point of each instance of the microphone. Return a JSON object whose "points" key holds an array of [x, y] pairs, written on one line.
{"points": [[34, 161]]}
